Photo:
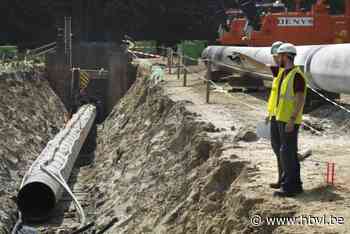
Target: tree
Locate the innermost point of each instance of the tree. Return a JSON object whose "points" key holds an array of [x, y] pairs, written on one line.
{"points": [[31, 23]]}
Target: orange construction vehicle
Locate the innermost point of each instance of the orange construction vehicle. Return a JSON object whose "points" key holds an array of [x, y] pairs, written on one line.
{"points": [[299, 27]]}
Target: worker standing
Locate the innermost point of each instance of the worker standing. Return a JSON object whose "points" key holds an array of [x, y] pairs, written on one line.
{"points": [[288, 113], [277, 72]]}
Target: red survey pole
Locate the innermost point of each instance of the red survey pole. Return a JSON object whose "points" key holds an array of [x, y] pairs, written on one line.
{"points": [[330, 173]]}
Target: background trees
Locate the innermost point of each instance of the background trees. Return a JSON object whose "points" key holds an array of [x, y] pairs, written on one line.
{"points": [[31, 23]]}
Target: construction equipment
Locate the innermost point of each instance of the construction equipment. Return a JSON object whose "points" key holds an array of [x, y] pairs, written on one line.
{"points": [[298, 27]]}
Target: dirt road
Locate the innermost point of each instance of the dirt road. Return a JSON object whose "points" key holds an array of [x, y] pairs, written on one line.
{"points": [[241, 112]]}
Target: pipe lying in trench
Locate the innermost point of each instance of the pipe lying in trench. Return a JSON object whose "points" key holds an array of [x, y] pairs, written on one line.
{"points": [[40, 192], [326, 66]]}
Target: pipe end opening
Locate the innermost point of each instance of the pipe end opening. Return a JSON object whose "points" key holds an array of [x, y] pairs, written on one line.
{"points": [[36, 201]]}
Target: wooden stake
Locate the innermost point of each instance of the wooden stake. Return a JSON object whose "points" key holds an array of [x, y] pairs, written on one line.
{"points": [[185, 77], [179, 66], [208, 81], [169, 60], [172, 56]]}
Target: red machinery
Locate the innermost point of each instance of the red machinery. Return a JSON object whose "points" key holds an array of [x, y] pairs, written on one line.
{"points": [[313, 27]]}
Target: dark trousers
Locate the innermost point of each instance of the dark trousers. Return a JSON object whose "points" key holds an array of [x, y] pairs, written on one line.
{"points": [[285, 146], [276, 146]]}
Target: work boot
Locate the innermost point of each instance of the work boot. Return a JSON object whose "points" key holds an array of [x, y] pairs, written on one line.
{"points": [[275, 185]]}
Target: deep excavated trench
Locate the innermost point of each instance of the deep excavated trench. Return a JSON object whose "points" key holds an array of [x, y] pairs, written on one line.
{"points": [[169, 163], [165, 163]]}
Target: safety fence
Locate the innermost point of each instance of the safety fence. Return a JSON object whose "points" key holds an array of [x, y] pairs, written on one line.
{"points": [[175, 63]]}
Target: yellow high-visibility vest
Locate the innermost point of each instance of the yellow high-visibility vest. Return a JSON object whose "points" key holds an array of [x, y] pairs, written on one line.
{"points": [[287, 99], [271, 104]]}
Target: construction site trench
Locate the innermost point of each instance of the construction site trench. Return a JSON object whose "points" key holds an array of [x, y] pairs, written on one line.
{"points": [[168, 162]]}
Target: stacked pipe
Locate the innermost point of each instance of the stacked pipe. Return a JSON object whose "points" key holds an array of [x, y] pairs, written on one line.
{"points": [[326, 66], [40, 191]]}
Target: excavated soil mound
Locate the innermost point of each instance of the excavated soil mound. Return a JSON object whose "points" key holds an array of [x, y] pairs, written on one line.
{"points": [[30, 114], [167, 162], [158, 169]]}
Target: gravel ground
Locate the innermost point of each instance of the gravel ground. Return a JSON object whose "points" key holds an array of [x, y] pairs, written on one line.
{"points": [[331, 145]]}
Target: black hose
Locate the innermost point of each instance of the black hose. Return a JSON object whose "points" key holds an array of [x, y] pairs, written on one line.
{"points": [[108, 226], [83, 229]]}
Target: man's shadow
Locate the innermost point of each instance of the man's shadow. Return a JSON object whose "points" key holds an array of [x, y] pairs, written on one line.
{"points": [[325, 193]]}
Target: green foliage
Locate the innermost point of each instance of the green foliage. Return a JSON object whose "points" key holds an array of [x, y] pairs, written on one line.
{"points": [[192, 50], [146, 46], [8, 52], [336, 6], [26, 20], [31, 23], [8, 49]]}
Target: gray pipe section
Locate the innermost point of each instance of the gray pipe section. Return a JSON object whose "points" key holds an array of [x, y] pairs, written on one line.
{"points": [[330, 68], [39, 193], [326, 66]]}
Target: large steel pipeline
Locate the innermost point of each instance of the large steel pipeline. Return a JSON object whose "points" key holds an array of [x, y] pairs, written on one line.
{"points": [[40, 191], [326, 66]]}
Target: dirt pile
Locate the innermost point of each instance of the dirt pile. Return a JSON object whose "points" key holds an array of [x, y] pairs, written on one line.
{"points": [[331, 118], [161, 168], [168, 162], [30, 114]]}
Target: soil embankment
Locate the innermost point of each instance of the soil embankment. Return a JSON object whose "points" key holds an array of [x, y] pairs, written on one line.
{"points": [[167, 162], [30, 115]]}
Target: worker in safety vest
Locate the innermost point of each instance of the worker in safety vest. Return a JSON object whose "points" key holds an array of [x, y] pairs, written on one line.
{"points": [[287, 108], [277, 72]]}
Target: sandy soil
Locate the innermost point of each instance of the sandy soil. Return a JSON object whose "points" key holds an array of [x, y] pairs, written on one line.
{"points": [[167, 162], [242, 110]]}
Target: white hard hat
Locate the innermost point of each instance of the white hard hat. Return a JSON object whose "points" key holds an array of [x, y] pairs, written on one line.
{"points": [[287, 48], [275, 46]]}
